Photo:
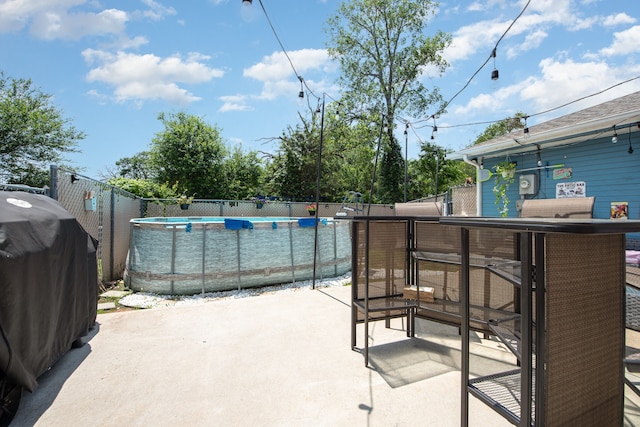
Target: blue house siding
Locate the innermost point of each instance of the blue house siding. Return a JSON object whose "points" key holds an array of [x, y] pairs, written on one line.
{"points": [[611, 174]]}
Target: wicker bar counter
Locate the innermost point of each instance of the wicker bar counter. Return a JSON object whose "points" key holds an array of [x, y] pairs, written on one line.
{"points": [[570, 330]]}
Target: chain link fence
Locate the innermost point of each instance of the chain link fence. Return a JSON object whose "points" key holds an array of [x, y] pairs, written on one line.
{"points": [[463, 200], [458, 201], [104, 211]]}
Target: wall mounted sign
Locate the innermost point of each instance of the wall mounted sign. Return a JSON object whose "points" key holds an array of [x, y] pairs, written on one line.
{"points": [[562, 173], [571, 189]]}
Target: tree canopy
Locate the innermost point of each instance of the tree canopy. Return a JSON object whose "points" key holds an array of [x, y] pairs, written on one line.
{"points": [[501, 127], [189, 158], [33, 133], [383, 52], [189, 153]]}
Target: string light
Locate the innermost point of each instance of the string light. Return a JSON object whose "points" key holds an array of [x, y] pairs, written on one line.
{"points": [[630, 150], [495, 75], [614, 138], [301, 93], [444, 106]]}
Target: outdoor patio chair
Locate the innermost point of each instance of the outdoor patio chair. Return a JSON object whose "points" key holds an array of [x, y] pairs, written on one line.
{"points": [[576, 207]]}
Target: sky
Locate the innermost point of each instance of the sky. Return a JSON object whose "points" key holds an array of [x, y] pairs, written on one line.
{"points": [[112, 66]]}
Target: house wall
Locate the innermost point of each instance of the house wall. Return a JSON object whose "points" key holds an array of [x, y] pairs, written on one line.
{"points": [[610, 173]]}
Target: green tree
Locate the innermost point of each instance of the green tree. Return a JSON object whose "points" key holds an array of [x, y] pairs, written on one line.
{"points": [[383, 50], [144, 188], [293, 170], [135, 167], [501, 127], [244, 174], [33, 133], [190, 154], [355, 142], [433, 167]]}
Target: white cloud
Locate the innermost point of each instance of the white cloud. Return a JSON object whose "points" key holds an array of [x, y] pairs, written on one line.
{"points": [[475, 7], [17, 14], [478, 6], [234, 103], [277, 67], [625, 43], [61, 25], [490, 102], [72, 19], [535, 25], [148, 77], [134, 43], [531, 41], [562, 82], [618, 19], [156, 10], [559, 82], [471, 38], [277, 76]]}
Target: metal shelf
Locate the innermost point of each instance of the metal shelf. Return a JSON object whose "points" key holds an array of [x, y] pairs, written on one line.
{"points": [[501, 391]]}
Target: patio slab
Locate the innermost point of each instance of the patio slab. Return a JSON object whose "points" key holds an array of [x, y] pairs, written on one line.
{"points": [[281, 359]]}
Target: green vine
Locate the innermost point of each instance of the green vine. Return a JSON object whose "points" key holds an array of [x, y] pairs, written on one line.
{"points": [[505, 176]]}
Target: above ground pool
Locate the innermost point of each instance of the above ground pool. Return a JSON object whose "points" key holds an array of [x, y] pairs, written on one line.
{"points": [[191, 255]]}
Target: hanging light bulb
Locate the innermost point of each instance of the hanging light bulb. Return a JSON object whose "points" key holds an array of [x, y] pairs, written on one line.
{"points": [[630, 150], [406, 129], [495, 75], [526, 128], [434, 133], [301, 93], [614, 138]]}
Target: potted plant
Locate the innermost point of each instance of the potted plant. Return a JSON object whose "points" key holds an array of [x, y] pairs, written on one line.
{"points": [[184, 201], [259, 201], [311, 208], [504, 177]]}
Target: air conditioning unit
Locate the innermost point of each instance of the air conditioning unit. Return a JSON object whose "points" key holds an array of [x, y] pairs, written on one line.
{"points": [[527, 184]]}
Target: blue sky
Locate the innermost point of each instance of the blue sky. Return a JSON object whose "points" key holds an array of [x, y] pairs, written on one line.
{"points": [[113, 65]]}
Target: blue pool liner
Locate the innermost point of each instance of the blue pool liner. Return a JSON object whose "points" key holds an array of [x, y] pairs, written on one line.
{"points": [[237, 224], [310, 222]]}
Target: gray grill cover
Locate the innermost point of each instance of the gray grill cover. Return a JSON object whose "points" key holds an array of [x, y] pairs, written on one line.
{"points": [[48, 285]]}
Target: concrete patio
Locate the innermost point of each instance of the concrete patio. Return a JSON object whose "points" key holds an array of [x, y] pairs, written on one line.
{"points": [[280, 359]]}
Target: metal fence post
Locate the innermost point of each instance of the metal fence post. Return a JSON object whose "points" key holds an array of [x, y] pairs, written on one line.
{"points": [[238, 252], [53, 182], [173, 256], [204, 248], [112, 233], [293, 264]]}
